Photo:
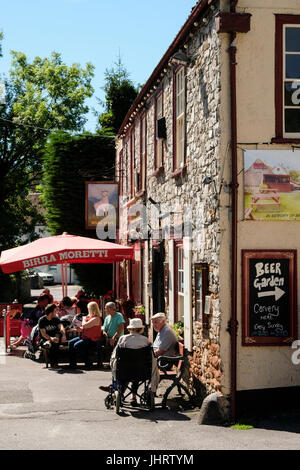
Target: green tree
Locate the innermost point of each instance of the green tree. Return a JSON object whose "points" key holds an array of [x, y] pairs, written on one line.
{"points": [[39, 97], [70, 161], [120, 93], [295, 175]]}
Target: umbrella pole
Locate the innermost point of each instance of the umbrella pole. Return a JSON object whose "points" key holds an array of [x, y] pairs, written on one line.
{"points": [[62, 280], [66, 278]]}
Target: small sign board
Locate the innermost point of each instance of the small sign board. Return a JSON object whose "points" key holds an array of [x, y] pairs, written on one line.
{"points": [[269, 291]]}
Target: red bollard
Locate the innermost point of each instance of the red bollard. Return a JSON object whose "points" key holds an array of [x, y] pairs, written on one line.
{"points": [[7, 327]]}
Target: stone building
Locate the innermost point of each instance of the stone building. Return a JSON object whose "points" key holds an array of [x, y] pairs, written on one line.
{"points": [[180, 156]]}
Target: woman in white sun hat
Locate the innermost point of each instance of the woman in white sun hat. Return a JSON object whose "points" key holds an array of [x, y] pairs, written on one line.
{"points": [[134, 340]]}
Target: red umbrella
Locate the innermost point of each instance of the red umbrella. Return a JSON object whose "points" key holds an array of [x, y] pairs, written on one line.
{"points": [[62, 249]]}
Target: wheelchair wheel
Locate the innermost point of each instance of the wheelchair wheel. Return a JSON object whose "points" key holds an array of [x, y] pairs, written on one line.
{"points": [[109, 402], [117, 400]]}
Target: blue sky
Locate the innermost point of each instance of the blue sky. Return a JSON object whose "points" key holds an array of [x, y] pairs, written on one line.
{"points": [[94, 31]]}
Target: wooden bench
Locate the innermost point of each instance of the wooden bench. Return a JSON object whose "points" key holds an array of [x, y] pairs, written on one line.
{"points": [[97, 354], [172, 368]]}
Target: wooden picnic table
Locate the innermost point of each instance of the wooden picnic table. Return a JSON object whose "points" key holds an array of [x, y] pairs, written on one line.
{"points": [[266, 199]]}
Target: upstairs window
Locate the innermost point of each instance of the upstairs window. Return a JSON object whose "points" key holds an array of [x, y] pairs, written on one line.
{"points": [[291, 63], [143, 157], [180, 118], [160, 132], [287, 76], [132, 164]]}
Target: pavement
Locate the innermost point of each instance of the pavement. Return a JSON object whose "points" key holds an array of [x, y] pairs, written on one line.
{"points": [[48, 409], [56, 291]]}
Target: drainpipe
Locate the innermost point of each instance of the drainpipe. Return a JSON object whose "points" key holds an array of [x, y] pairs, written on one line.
{"points": [[234, 200]]}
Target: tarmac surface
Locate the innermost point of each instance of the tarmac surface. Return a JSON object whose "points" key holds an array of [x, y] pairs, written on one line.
{"points": [[48, 409]]}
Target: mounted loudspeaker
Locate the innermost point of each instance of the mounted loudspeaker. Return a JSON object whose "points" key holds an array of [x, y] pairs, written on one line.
{"points": [[161, 128]]}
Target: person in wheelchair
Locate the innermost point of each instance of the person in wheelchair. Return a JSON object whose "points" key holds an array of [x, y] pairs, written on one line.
{"points": [[133, 340]]}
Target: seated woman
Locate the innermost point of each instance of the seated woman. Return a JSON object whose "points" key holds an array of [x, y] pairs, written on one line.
{"points": [[91, 333], [68, 309], [134, 340]]}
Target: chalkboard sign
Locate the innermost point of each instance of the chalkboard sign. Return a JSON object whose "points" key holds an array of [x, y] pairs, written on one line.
{"points": [[269, 297]]}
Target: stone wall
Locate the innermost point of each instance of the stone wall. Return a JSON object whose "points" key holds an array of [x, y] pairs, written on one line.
{"points": [[199, 186]]}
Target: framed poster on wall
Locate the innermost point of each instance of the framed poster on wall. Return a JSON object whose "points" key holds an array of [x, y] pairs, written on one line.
{"points": [[269, 296], [101, 202]]}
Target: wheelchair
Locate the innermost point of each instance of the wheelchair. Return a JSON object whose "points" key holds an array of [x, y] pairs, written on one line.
{"points": [[133, 365]]}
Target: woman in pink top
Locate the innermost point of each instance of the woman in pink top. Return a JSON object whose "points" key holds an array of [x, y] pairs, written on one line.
{"points": [[91, 333]]}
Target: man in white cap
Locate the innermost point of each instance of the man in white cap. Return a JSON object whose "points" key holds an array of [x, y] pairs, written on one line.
{"points": [[166, 340]]}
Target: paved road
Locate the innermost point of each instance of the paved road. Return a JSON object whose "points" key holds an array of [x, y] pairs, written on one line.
{"points": [[46, 409], [56, 291]]}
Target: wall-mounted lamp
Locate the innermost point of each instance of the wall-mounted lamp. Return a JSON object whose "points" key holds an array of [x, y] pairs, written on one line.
{"points": [[152, 201], [179, 58]]}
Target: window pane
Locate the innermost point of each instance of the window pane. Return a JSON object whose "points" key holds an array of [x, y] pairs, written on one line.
{"points": [[159, 107], [292, 93], [292, 120], [292, 65], [292, 39]]}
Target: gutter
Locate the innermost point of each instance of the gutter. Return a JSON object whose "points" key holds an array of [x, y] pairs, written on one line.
{"points": [[234, 200], [233, 23]]}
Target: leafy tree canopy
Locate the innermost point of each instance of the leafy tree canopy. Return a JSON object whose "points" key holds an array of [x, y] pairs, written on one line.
{"points": [[120, 93], [39, 97]]}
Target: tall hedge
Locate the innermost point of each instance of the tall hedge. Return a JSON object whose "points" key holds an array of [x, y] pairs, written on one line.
{"points": [[70, 161]]}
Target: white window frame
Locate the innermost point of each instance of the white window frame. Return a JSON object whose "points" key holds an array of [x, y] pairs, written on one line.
{"points": [[159, 142], [291, 80], [180, 118]]}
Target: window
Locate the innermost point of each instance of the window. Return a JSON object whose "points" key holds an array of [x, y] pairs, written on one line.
{"points": [[121, 178], [143, 150], [200, 290], [159, 141], [287, 77], [180, 119], [179, 299], [132, 163], [291, 66]]}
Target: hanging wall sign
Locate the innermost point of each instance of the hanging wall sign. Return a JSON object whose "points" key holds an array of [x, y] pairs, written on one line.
{"points": [[101, 206], [269, 289]]}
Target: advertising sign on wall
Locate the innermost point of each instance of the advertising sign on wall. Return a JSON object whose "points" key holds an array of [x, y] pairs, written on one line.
{"points": [[272, 185], [269, 297]]}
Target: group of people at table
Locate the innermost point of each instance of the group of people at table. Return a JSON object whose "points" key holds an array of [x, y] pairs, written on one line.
{"points": [[56, 323]]}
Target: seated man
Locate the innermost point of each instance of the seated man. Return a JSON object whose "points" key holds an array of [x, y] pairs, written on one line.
{"points": [[113, 326], [51, 333], [165, 343]]}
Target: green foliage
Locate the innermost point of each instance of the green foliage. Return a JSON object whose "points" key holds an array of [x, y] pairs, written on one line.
{"points": [[242, 427], [70, 161], [120, 93], [295, 175], [40, 96], [179, 329], [50, 94]]}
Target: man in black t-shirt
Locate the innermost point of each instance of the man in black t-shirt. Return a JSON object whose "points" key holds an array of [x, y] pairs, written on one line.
{"points": [[51, 332]]}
